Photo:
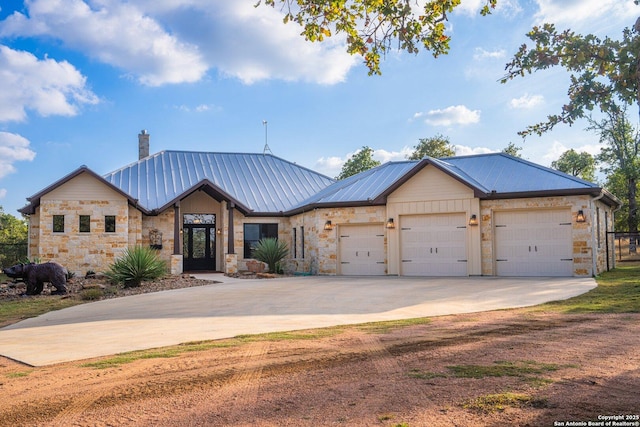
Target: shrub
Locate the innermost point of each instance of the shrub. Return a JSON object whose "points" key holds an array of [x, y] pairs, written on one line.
{"points": [[271, 251], [135, 266]]}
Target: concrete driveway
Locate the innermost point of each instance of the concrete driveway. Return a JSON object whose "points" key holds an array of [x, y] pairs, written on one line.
{"points": [[235, 307]]}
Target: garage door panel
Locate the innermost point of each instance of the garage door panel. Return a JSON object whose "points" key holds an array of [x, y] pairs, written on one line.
{"points": [[433, 245], [533, 243], [362, 250]]}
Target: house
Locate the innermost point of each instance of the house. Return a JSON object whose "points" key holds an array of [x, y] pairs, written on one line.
{"points": [[489, 214]]}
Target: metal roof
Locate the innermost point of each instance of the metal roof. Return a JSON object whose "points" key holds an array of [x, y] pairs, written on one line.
{"points": [[265, 184], [260, 182]]}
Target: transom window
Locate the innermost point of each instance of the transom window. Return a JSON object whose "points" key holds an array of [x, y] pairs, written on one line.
{"points": [[199, 219], [253, 233]]}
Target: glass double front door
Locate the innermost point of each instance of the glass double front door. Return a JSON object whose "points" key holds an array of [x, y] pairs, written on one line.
{"points": [[199, 242]]}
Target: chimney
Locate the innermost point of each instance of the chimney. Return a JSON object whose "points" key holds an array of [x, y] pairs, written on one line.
{"points": [[143, 144]]}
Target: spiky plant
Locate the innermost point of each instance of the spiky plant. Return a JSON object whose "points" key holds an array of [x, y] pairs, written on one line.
{"points": [[136, 265], [271, 251]]}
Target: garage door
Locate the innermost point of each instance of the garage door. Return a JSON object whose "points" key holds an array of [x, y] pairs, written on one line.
{"points": [[362, 250], [533, 243], [433, 245]]}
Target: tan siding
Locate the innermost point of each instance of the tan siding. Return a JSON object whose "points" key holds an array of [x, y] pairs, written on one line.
{"points": [[431, 184], [83, 187]]}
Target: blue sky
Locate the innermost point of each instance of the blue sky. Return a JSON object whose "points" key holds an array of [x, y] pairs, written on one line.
{"points": [[80, 79]]}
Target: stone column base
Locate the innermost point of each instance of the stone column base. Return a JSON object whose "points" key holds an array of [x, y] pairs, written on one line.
{"points": [[176, 264], [230, 263]]}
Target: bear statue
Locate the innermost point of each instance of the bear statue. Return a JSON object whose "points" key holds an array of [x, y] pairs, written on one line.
{"points": [[35, 275]]}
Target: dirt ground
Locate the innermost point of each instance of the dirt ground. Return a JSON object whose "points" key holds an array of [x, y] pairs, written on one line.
{"points": [[503, 368]]}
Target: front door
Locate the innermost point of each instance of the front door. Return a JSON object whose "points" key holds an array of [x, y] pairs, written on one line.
{"points": [[199, 242]]}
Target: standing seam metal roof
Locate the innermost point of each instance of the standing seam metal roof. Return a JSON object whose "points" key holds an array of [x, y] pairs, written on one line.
{"points": [[262, 182]]}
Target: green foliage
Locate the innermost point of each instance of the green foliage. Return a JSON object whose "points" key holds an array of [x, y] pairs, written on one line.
{"points": [[501, 401], [513, 150], [620, 159], [502, 369], [135, 266], [13, 238], [582, 165], [361, 161], [271, 251], [93, 294], [372, 28], [602, 71], [437, 146]]}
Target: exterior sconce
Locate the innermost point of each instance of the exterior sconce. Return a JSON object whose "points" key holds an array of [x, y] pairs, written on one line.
{"points": [[473, 220], [328, 226], [390, 225], [219, 231], [580, 217]]}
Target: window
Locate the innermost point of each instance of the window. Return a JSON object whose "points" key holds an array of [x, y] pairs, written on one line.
{"points": [[109, 223], [295, 242], [598, 226], [85, 224], [253, 233], [302, 241], [58, 223]]}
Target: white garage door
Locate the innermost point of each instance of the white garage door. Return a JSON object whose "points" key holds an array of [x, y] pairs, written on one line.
{"points": [[362, 250], [433, 245], [533, 243]]}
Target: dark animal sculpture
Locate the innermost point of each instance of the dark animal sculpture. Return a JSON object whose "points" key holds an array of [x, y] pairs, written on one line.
{"points": [[35, 275]]}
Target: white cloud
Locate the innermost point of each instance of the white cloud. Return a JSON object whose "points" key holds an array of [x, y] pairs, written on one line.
{"points": [[45, 86], [13, 148], [557, 148], [480, 54], [526, 101], [331, 166], [3, 193], [177, 41], [115, 33], [463, 150], [572, 13], [453, 115], [504, 7]]}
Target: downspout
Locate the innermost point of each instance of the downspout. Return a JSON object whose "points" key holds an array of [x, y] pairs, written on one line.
{"points": [[594, 254]]}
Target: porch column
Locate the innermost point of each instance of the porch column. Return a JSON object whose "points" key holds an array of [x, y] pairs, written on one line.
{"points": [[230, 235], [176, 229]]}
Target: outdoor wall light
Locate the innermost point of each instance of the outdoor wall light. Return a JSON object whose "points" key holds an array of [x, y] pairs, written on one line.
{"points": [[580, 217], [328, 226], [219, 231], [473, 220], [390, 225]]}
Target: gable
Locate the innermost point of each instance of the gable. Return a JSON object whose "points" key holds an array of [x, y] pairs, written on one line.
{"points": [[430, 183], [83, 187]]}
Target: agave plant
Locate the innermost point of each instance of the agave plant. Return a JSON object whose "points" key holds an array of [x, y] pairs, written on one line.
{"points": [[271, 251], [135, 266]]}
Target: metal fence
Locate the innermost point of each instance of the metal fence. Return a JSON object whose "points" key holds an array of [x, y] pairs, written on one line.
{"points": [[12, 253], [623, 247]]}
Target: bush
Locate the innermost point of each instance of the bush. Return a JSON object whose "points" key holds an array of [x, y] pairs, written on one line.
{"points": [[271, 251], [135, 266]]}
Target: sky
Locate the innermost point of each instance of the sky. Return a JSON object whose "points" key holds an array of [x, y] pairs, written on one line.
{"points": [[79, 80]]}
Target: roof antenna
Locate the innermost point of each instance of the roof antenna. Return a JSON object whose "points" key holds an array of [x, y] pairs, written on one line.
{"points": [[266, 145]]}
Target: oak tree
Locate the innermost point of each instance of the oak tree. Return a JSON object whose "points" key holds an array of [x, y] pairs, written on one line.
{"points": [[361, 161], [436, 146], [581, 165], [374, 27]]}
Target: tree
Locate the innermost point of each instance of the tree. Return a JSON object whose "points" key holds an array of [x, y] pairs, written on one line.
{"points": [[513, 150], [373, 28], [620, 156], [13, 238], [436, 146], [361, 161], [582, 165], [604, 73]]}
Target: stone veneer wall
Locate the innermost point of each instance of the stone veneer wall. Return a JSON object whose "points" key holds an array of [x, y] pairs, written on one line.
{"points": [[164, 224], [33, 250], [238, 234], [80, 252], [322, 246], [581, 232]]}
